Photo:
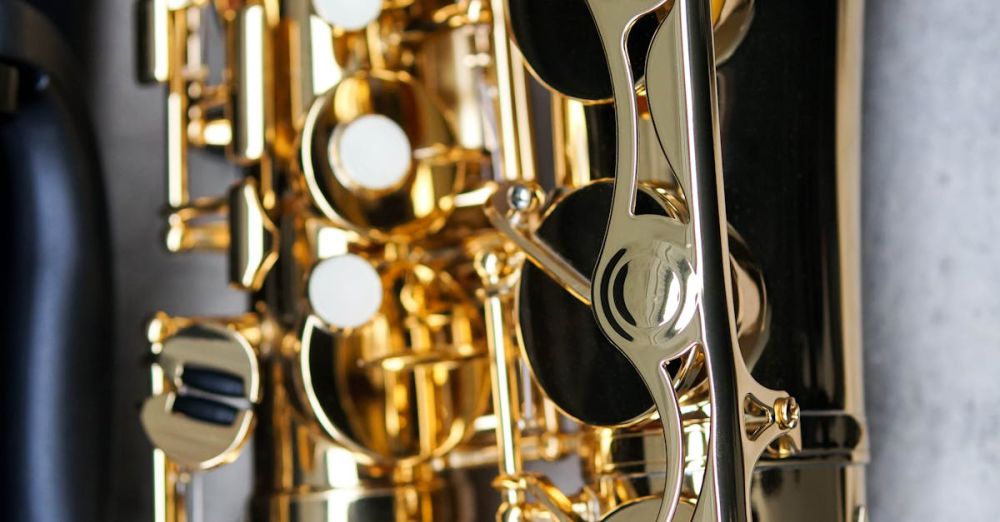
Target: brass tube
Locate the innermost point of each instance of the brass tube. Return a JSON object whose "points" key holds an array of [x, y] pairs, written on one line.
{"points": [[154, 57], [177, 112], [503, 376], [513, 105], [247, 105]]}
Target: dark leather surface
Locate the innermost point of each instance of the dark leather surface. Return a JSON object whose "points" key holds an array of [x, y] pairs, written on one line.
{"points": [[55, 360]]}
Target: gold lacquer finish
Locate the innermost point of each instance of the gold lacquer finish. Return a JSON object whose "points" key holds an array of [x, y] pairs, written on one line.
{"points": [[485, 242], [421, 201], [206, 380], [407, 386]]}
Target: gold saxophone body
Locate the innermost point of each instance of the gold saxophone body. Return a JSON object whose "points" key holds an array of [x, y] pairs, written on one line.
{"points": [[493, 238]]}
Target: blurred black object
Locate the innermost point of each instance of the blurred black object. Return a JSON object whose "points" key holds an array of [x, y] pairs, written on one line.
{"points": [[56, 316]]}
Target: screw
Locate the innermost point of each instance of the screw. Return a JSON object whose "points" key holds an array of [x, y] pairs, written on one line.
{"points": [[786, 412], [521, 198]]}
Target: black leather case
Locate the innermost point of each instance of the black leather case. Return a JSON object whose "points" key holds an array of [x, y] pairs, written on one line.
{"points": [[55, 360]]}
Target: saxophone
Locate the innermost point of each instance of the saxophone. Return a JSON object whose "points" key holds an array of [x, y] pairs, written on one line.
{"points": [[492, 241]]}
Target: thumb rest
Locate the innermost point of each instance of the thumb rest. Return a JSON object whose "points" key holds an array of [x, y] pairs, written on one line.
{"points": [[494, 234]]}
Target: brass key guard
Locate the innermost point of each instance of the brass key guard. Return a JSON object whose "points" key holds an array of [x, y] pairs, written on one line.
{"points": [[662, 285]]}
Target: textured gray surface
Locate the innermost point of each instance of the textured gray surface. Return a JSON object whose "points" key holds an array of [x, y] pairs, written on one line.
{"points": [[931, 258], [932, 267]]}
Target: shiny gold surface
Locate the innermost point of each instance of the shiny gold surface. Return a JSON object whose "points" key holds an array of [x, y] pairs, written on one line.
{"points": [[154, 20], [253, 246], [247, 103], [407, 386], [189, 441], [497, 268], [423, 201], [516, 155], [168, 490], [383, 421]]}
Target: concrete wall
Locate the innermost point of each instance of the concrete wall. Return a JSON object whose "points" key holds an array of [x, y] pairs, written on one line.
{"points": [[932, 340]]}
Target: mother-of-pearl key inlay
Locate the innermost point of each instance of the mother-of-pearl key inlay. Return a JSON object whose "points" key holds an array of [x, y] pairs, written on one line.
{"points": [[345, 291], [349, 15], [371, 152]]}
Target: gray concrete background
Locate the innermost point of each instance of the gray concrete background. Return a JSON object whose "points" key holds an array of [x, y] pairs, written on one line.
{"points": [[931, 258], [932, 264]]}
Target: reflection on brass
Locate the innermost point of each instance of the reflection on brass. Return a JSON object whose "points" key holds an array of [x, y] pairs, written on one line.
{"points": [[248, 103], [407, 386], [731, 27], [549, 278], [423, 201], [253, 245], [217, 415]]}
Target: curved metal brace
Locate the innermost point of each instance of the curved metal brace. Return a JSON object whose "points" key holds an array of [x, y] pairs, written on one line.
{"points": [[663, 287]]}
